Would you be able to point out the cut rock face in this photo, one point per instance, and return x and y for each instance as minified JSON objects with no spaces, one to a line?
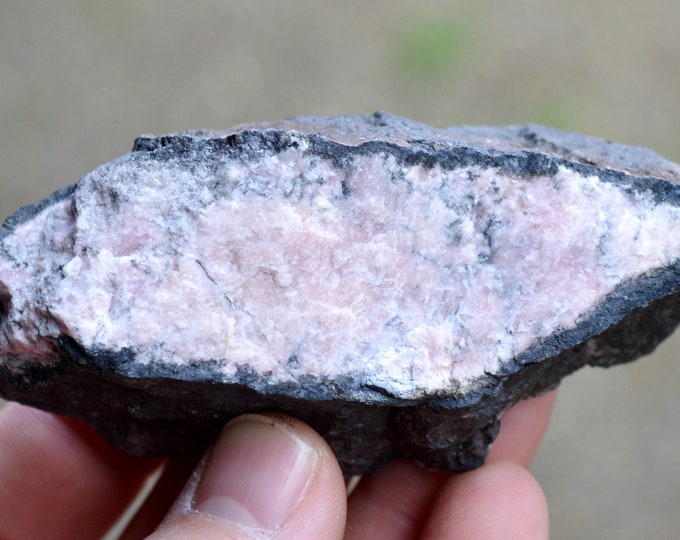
{"x":396,"y":286}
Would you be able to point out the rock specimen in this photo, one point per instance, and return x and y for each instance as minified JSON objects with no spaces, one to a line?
{"x":396,"y":286}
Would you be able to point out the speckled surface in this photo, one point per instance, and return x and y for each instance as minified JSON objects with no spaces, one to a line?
{"x":79,"y":80}
{"x":222,"y":265}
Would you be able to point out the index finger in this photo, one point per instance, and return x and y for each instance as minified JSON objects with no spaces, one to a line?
{"x":59,"y":478}
{"x":522,"y":429}
{"x":396,"y":502}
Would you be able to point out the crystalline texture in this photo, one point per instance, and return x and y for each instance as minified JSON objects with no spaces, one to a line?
{"x":413,"y":282}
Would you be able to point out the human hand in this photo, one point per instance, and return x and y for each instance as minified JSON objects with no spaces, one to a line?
{"x":267,"y":476}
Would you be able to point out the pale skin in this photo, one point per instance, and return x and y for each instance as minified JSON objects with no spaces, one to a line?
{"x":268,"y":476}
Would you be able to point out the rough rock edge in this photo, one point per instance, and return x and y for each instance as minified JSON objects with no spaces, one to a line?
{"x":160,"y":409}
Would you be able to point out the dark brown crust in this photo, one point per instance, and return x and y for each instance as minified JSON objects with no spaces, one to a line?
{"x":157,"y":409}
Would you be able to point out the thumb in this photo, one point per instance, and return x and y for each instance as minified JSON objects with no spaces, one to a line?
{"x":269,"y":476}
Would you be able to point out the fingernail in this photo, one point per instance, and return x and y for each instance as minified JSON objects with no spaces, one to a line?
{"x":257,"y":474}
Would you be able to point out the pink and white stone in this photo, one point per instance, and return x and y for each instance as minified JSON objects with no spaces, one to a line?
{"x":331,"y":256}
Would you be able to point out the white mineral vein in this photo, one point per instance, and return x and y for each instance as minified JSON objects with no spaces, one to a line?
{"x":418,"y":279}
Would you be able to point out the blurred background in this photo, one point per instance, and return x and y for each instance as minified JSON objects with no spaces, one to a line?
{"x":79,"y":79}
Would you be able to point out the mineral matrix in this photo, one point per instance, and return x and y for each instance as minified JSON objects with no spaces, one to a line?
{"x":396,"y":286}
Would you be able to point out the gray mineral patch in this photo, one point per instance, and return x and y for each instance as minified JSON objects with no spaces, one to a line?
{"x":414,"y":283}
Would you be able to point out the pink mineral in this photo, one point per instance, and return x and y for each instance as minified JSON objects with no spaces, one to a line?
{"x":403,"y":278}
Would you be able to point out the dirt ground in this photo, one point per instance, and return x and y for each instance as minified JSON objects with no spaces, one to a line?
{"x":79,"y":79}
